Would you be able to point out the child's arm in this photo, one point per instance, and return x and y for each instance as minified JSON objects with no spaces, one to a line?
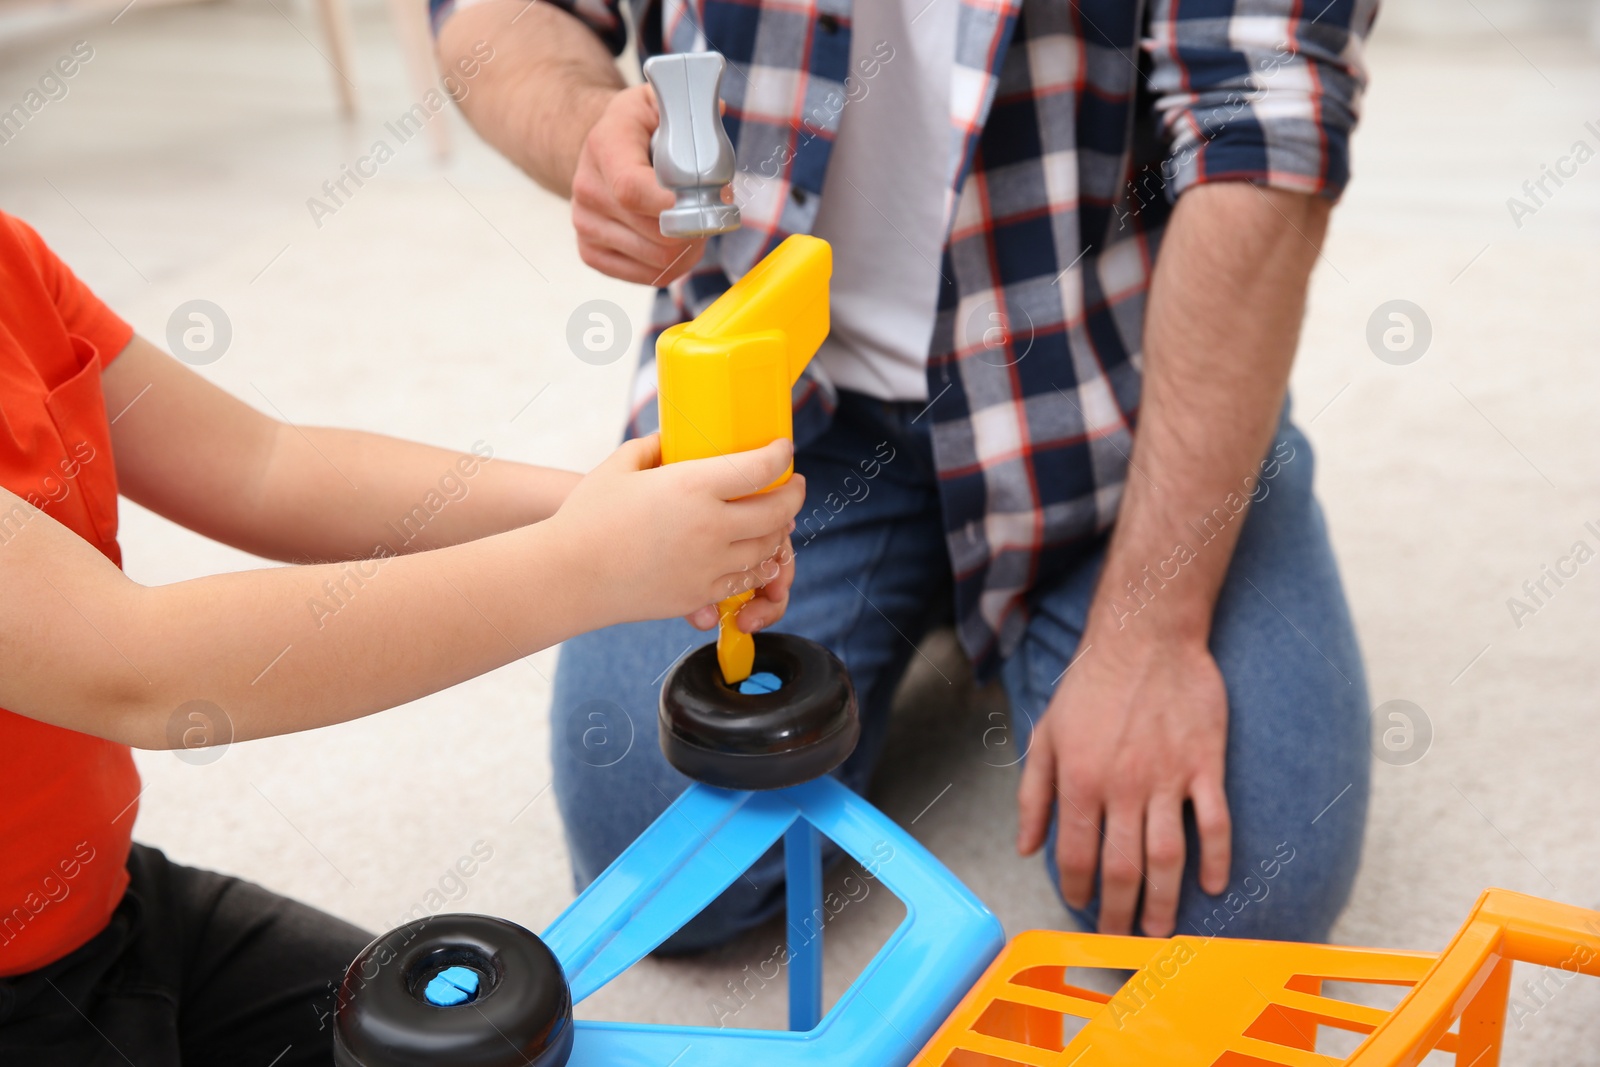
{"x":206,"y":460}
{"x":290,"y":648}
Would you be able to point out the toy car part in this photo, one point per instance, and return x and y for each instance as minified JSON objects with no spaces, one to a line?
{"x":724,"y":380}
{"x":1208,"y":1001}
{"x":798,"y":721}
{"x":463,"y":990}
{"x":521,"y":1010}
{"x":691,"y":151}
{"x":705,"y":841}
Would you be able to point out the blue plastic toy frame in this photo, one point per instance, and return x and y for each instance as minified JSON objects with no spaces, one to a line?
{"x":695,"y":850}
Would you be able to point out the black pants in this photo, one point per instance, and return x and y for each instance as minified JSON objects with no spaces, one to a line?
{"x":195,"y":969}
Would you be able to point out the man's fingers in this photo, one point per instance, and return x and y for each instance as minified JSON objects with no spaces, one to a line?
{"x":743,"y":473}
{"x":615,"y":265}
{"x":1035,"y":793}
{"x":646,"y":109}
{"x":1163,"y":850}
{"x":602,"y":226}
{"x":614,"y":247}
{"x":631,"y":118}
{"x":636,"y":189}
{"x":1216,"y":834}
{"x":626,"y":160}
{"x":617,"y":201}
{"x":1077,"y":848}
{"x":1121,"y":868}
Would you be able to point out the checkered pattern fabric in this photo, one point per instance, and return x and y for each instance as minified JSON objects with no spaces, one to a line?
{"x":1074,"y":128}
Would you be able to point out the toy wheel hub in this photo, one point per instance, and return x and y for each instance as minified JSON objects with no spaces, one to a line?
{"x":792,"y":720}
{"x":453,"y":986}
{"x":466,"y":990}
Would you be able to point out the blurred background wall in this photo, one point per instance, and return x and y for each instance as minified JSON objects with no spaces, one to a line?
{"x":1458,"y":18}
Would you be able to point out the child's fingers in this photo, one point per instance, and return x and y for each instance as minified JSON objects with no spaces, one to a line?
{"x":779,"y":572}
{"x":702,"y":618}
{"x":772,"y":576}
{"x":767,"y":513}
{"x":741,"y":474}
{"x":772,"y":599}
{"x":761,"y":613}
{"x":639,"y":454}
{"x":751,"y":555}
{"x":784,"y":560}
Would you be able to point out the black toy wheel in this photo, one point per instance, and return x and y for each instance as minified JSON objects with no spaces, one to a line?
{"x":752,"y":739}
{"x":454,"y":991}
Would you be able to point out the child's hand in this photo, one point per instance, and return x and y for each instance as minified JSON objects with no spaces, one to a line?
{"x":655,"y":541}
{"x":771,"y":581}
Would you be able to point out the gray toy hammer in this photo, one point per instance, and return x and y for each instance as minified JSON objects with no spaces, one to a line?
{"x":691,"y":151}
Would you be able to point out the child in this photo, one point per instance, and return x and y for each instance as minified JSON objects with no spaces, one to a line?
{"x":109,"y":953}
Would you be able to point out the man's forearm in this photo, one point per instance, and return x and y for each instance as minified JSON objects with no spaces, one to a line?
{"x":1221,"y":328}
{"x":548,"y":82}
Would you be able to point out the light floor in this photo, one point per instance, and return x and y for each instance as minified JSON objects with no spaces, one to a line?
{"x":433,"y":305}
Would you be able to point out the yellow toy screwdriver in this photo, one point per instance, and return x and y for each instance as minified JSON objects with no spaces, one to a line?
{"x":725,"y":378}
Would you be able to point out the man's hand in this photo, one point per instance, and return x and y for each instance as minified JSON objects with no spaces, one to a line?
{"x":552,"y":101}
{"x":617,"y":202}
{"x":1138,"y":726}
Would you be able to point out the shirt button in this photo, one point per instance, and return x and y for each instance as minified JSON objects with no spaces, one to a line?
{"x":797,"y":194}
{"x":828,"y":22}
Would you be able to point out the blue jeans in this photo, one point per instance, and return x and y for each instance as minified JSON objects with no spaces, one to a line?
{"x":873,"y":577}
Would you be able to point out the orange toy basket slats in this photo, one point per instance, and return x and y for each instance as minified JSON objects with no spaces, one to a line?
{"x":1472,"y":976}
{"x":1217,"y":1002}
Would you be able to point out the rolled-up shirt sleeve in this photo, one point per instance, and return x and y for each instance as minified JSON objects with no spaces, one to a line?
{"x":602,"y":16}
{"x":1264,"y":91}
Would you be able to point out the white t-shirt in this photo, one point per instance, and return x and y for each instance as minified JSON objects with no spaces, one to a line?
{"x":883,"y":200}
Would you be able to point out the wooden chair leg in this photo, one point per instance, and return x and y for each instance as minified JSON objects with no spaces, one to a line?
{"x":416,"y":44}
{"x":336,"y":28}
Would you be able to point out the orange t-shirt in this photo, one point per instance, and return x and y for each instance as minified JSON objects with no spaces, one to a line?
{"x":66,"y":820}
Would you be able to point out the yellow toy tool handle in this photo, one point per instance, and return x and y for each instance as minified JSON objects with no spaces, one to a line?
{"x":724,"y":381}
{"x":736,"y":650}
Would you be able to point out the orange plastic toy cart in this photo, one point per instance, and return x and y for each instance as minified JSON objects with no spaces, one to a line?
{"x":1215,"y":1002}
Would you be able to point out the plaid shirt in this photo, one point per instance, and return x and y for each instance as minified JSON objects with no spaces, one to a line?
{"x":1074,"y":127}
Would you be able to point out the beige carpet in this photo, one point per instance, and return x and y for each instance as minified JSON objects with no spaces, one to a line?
{"x":433,"y":305}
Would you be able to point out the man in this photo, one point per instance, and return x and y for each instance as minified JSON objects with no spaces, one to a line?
{"x":997,"y":177}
